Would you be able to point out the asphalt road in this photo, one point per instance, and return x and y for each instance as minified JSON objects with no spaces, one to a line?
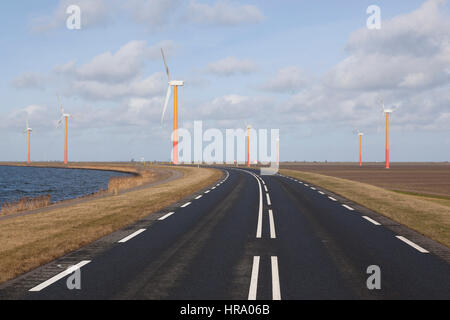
{"x":250,"y":237}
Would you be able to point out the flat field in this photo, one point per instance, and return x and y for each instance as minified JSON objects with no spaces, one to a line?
{"x":421,"y":179}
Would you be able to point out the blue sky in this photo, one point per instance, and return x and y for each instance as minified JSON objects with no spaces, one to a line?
{"x":310,"y":68}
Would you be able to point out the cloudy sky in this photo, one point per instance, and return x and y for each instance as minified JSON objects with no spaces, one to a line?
{"x":309,"y":68}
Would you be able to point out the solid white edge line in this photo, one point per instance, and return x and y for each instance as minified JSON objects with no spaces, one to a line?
{"x":372,"y":221}
{"x":276,"y":292}
{"x":254,"y":279}
{"x":321,"y":192}
{"x":166,"y":216}
{"x":260,"y":210}
{"x":186,"y":204}
{"x":131,"y":236}
{"x":198,"y":197}
{"x":412,"y":244}
{"x":207,"y":191}
{"x":59,"y":276}
{"x":331,"y":198}
{"x":348,"y":207}
{"x":273,"y":234}
{"x":268,"y":199}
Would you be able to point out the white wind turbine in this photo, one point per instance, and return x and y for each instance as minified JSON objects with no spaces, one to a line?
{"x":175,"y":84}
{"x":387,"y":112}
{"x":64,"y":117}
{"x":28,"y":131}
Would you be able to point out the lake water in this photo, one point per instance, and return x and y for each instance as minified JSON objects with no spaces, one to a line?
{"x":61,"y":184}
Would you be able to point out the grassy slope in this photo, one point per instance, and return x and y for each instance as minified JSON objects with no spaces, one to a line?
{"x":430,"y":217}
{"x":30,"y":241}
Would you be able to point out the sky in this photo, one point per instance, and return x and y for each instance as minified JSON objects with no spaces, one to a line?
{"x":311,"y":69}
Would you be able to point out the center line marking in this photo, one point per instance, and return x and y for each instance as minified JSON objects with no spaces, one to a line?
{"x":348,"y":207}
{"x":254,"y":279}
{"x":59,"y":276}
{"x":265,"y":188}
{"x":268,"y":199}
{"x":412,"y":244}
{"x":276,"y":292}
{"x":166,"y":216}
{"x":185,"y":205}
{"x":331,"y":198}
{"x":372,"y":221}
{"x":273,"y":234}
{"x":131,"y":236}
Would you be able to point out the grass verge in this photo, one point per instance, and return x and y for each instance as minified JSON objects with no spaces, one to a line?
{"x":430,"y":218}
{"x":32,"y":240}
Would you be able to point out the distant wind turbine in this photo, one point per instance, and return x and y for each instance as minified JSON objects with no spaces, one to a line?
{"x":175,"y":84}
{"x":360,"y":134}
{"x":387,"y":112}
{"x":64,"y":117}
{"x":28,"y":130}
{"x":249,"y":127}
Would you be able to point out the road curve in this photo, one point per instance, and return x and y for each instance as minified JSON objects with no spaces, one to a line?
{"x":247,"y":237}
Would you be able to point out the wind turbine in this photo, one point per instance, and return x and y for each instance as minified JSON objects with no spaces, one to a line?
{"x":28,"y":130}
{"x":249,"y":127}
{"x":387,"y":112}
{"x":64,"y":117}
{"x":360,"y":134}
{"x":175,"y":84}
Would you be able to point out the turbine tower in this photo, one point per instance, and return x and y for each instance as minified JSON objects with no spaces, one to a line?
{"x":28,"y":130}
{"x":175,"y":84}
{"x":248,"y":145}
{"x":64,"y":117}
{"x":360,"y":134}
{"x":387,"y":112}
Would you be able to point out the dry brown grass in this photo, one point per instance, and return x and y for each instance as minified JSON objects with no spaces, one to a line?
{"x":427,"y":217}
{"x":32,"y":240}
{"x":25,"y":204}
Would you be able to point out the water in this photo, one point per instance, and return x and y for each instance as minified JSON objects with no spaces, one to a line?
{"x":61,"y":184}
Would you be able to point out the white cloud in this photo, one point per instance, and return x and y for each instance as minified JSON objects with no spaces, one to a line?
{"x":98,"y":90}
{"x":124,"y":64}
{"x":410,"y":51}
{"x":288,"y":79}
{"x":232,"y":66}
{"x":28,"y":80}
{"x":223,"y":13}
{"x":153,"y":13}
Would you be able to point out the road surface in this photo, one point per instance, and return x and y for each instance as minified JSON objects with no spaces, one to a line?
{"x":251,"y":237}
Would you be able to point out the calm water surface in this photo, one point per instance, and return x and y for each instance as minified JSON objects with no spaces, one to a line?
{"x":61,"y":184}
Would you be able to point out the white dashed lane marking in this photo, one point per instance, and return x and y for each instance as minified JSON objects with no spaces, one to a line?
{"x":372,"y":221}
{"x":131,"y":236}
{"x":166,"y":216}
{"x":412,"y":244}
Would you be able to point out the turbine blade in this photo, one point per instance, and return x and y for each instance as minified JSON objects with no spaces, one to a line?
{"x":59,"y":123}
{"x":60,"y":105}
{"x":166,"y":103}
{"x":165,"y":64}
